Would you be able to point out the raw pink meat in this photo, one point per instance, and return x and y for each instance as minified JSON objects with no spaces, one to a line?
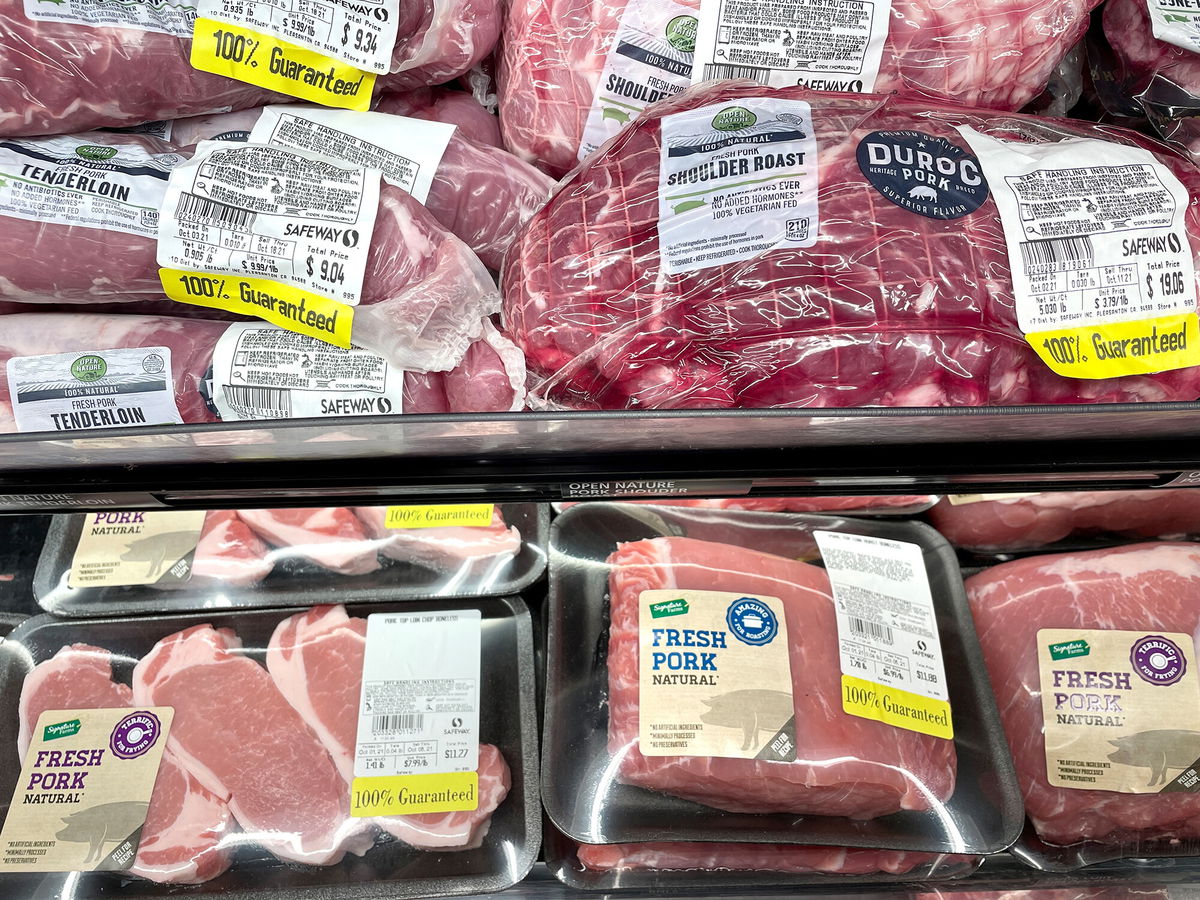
{"x":1078,"y":893}
{"x":241,"y":739}
{"x":1149,"y":587}
{"x":795,"y":504}
{"x":490,"y":377}
{"x":331,"y":537}
{"x":442,"y":104}
{"x":719,"y":856}
{"x":229,"y":553}
{"x":888,"y":308}
{"x":990,"y":53}
{"x":423,"y":295}
{"x":56,"y":77}
{"x":181,"y":841}
{"x":845,"y":766}
{"x":1023,"y":523}
{"x":444,"y":549}
{"x":316,"y":659}
{"x":480,"y":193}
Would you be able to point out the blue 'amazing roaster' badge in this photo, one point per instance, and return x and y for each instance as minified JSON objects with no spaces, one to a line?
{"x":752,"y":621}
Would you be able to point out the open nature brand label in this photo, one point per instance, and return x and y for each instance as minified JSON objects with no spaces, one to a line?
{"x":1120,"y":710}
{"x":1176,"y":22}
{"x":121,"y":388}
{"x":265,"y":372}
{"x":825,"y":45}
{"x":736,"y":180}
{"x":650,"y":59}
{"x":163,"y":16}
{"x":1101,"y":261}
{"x":418,"y":726}
{"x":84,"y":790}
{"x":714,"y":676}
{"x":286,"y":232}
{"x":69,"y":181}
{"x":125,"y":548}
{"x":468,"y":515}
{"x":891,"y":654}
{"x":407,"y":151}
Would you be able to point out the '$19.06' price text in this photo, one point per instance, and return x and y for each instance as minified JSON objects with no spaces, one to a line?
{"x":365,"y":40}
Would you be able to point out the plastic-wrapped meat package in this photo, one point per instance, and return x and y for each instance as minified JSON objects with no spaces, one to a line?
{"x":423,"y":292}
{"x":446,"y":549}
{"x":720,"y":856}
{"x":57,"y":77}
{"x":316,"y":660}
{"x":442,"y":104}
{"x":480,"y":193}
{"x":181,"y":841}
{"x":844,"y":766}
{"x":1078,"y":893}
{"x":997,"y":54}
{"x":488,"y":379}
{"x":228,"y":553}
{"x":1139,"y":590}
{"x":888,"y":306}
{"x":332,"y":537}
{"x":1026,"y":522}
{"x":897,"y":503}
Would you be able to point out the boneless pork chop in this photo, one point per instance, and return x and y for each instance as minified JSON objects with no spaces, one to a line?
{"x":332,"y":537}
{"x":845,"y":765}
{"x":242,"y":740}
{"x":719,"y":856}
{"x":1142,"y":587}
{"x":316,"y":659}
{"x":445,"y":549}
{"x":181,"y":841}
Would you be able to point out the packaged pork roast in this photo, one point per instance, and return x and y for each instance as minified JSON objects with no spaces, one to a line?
{"x":897,"y":505}
{"x":702,"y":868}
{"x":121,"y":563}
{"x":719,"y":675}
{"x":1006,"y":523}
{"x":1093,"y":662}
{"x":273,"y":750}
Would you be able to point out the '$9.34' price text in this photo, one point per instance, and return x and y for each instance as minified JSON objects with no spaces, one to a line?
{"x":365,"y":40}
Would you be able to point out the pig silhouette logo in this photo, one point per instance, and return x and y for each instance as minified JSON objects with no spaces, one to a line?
{"x":754,"y":712}
{"x":160,"y":551}
{"x":923,"y":192}
{"x":1159,"y":751}
{"x":108,"y":823}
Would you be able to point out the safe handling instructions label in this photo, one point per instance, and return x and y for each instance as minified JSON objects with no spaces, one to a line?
{"x":891,"y":655}
{"x":824,"y":45}
{"x":119,"y":388}
{"x":736,"y":180}
{"x":1101,"y":264}
{"x":84,"y":790}
{"x":714,"y":675}
{"x":1121,"y":710}
{"x":418,"y":724}
{"x":290,"y":230}
{"x":126,"y":548}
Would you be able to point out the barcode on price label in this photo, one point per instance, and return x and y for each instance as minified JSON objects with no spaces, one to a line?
{"x":395,"y":724}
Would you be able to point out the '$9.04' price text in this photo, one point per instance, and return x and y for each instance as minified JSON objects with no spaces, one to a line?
{"x":332,"y":272}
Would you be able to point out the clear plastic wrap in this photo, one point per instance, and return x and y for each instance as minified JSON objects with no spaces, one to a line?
{"x":1115,"y":892}
{"x":896,"y":505}
{"x":255,"y":776}
{"x":889,"y":307}
{"x":1027,"y":522}
{"x":423,"y":294}
{"x":442,"y":104}
{"x":480,"y":193}
{"x":489,"y":378}
{"x":854,"y":781}
{"x":1137,"y":589}
{"x":61,"y":77}
{"x":275,"y":557}
{"x":990,"y":53}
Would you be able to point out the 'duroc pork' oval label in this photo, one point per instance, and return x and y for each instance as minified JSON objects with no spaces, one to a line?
{"x":924,"y":174}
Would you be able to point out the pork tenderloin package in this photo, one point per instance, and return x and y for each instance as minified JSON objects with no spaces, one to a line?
{"x":709,"y":866}
{"x":159,"y":370}
{"x":742,"y":246}
{"x":281,"y":733}
{"x":397,"y":281}
{"x":75,"y":67}
{"x":1092,"y":660}
{"x":705,"y":685}
{"x":479,"y":192}
{"x":995,"y":523}
{"x":571,"y":75}
{"x":897,"y":505}
{"x":123,"y":563}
